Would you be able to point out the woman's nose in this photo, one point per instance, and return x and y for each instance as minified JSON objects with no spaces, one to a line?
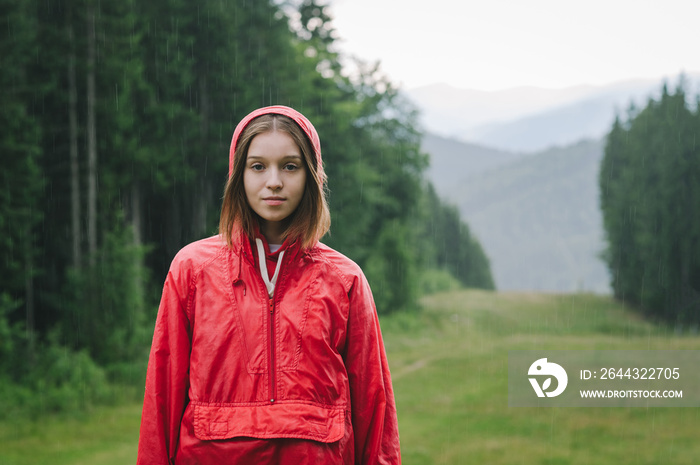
{"x":274,"y":180}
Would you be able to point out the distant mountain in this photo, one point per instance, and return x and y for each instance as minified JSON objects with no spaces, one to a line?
{"x":452,"y":112}
{"x":522,"y":167}
{"x":590,"y":117}
{"x":452,"y":161}
{"x":529,"y":119}
{"x":536,"y":216}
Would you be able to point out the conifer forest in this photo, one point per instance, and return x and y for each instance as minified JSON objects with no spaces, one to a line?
{"x":116,"y":120}
{"x":650,"y":200}
{"x":115,"y":124}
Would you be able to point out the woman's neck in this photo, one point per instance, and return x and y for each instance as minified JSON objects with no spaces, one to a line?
{"x":273,"y":231}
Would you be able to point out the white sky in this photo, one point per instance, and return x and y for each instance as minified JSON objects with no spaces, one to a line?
{"x":498,"y":44}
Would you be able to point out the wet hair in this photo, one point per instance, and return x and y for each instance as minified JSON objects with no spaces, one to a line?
{"x":311,"y":219}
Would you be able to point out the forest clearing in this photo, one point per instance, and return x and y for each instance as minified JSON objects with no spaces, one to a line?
{"x":449,"y":368}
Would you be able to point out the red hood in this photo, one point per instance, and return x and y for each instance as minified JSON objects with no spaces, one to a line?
{"x":300,"y":119}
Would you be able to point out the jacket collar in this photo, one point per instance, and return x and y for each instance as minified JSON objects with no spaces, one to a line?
{"x":243,"y":251}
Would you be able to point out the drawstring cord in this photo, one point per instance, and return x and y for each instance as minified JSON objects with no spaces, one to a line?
{"x":269,"y":283}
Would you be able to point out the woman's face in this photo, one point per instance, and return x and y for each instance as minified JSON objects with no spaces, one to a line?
{"x":274,"y":180}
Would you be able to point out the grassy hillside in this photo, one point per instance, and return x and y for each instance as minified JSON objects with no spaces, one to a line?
{"x":449,"y":365}
{"x":450,"y":373}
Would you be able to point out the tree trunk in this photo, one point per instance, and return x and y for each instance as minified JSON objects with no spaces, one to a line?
{"x":91,"y":137}
{"x":173,"y":233}
{"x":202,"y":189}
{"x":139,"y":265}
{"x":29,"y":292}
{"x":135,"y":208}
{"x":73,"y":133}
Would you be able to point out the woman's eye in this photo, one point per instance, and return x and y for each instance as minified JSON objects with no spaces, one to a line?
{"x":291,"y":167}
{"x":256,"y":167}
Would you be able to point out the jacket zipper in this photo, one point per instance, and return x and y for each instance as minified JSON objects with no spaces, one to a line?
{"x":272,"y":388}
{"x":272,"y":350}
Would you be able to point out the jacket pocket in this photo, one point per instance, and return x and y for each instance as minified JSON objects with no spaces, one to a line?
{"x":279,"y":420}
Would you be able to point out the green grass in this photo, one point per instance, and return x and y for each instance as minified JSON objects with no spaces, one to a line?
{"x":449,"y":365}
{"x":101,"y":436}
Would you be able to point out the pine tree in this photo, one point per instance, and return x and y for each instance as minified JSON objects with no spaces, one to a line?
{"x":21,"y":182}
{"x":648,"y":183}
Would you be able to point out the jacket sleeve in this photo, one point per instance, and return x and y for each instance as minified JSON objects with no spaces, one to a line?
{"x":167,"y":379}
{"x":373,"y":407}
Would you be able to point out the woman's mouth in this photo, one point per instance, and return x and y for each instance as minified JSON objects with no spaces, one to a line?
{"x":273,"y":201}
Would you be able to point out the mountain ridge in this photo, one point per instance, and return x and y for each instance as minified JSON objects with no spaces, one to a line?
{"x":535,"y":215}
{"x":529,"y":119}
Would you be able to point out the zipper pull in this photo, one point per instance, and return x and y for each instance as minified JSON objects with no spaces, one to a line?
{"x":272,"y":306}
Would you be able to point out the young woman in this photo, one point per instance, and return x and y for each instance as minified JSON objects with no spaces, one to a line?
{"x":267,"y":348}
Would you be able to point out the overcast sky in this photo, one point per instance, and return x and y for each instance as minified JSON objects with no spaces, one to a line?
{"x":499,"y":44}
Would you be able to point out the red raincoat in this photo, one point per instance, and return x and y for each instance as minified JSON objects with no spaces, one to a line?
{"x":237,"y":377}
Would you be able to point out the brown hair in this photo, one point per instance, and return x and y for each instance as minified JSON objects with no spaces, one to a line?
{"x":311,"y":219}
